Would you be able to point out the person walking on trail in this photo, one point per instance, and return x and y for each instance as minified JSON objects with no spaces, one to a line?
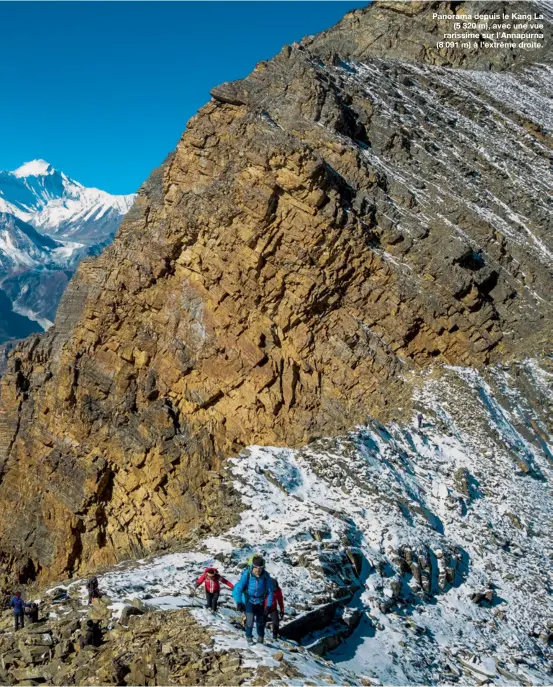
{"x":93,"y":635}
{"x":250,"y":593}
{"x":18,"y":606}
{"x":271,"y":612}
{"x":32,"y":612}
{"x":420,"y":418}
{"x":93,"y":589}
{"x":212,"y":581}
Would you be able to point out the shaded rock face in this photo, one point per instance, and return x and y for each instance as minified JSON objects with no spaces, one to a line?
{"x":324,"y":226}
{"x":382,"y":32}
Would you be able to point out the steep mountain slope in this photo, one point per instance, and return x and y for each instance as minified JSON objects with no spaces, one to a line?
{"x":326,"y":227}
{"x":12,"y":324}
{"x":55,"y":204}
{"x":406,"y":555}
{"x":37,"y":203}
{"x":21,"y":246}
{"x":409,"y":528}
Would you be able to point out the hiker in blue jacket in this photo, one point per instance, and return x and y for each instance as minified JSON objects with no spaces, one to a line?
{"x":18,"y":606}
{"x":250,"y":592}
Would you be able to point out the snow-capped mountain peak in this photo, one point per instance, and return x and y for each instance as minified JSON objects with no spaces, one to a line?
{"x":34,"y":168}
{"x":48,"y":223}
{"x":55,"y":204}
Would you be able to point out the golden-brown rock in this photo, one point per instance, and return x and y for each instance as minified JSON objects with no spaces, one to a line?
{"x":303,"y":247}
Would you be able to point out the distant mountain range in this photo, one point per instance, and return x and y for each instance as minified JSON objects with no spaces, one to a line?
{"x":48,"y":224}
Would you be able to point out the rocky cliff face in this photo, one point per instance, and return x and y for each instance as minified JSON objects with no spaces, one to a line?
{"x":357,"y":208}
{"x":406,"y":555}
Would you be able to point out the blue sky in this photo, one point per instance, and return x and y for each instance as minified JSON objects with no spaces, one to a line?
{"x":103,"y":90}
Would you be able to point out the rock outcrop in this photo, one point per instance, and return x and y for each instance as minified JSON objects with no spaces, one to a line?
{"x":147,"y":648}
{"x":353,"y":210}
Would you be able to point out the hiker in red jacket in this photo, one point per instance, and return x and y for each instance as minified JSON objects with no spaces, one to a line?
{"x":212,"y":581}
{"x":271,"y":611}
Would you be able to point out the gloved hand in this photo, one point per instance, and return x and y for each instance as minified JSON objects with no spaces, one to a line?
{"x":281,"y":615}
{"x":240,"y":607}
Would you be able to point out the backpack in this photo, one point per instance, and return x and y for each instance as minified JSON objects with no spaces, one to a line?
{"x":249,"y":569}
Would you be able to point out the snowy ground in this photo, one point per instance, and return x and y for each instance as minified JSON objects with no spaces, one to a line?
{"x":407,"y":524}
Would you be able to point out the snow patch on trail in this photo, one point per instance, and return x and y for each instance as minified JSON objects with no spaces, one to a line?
{"x":405,"y":525}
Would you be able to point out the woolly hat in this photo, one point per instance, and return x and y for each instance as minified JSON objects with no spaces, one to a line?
{"x":258,"y":562}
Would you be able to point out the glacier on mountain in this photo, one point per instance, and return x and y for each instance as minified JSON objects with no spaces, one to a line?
{"x":33,"y":168}
{"x":48,"y":224}
{"x":52,"y":202}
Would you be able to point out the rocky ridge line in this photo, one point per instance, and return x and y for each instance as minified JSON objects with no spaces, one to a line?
{"x":308,"y":244}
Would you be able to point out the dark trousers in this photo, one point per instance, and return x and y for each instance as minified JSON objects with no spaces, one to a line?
{"x":255,"y":613}
{"x":211,"y":599}
{"x":19,"y":619}
{"x":273,"y":615}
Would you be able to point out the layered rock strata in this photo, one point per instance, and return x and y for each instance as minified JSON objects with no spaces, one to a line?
{"x":357,"y":208}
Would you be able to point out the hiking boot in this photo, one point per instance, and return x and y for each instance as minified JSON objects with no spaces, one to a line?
{"x":260,"y":640}
{"x":250,"y":641}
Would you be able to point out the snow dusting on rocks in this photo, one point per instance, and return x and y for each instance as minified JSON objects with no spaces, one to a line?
{"x":405,"y":554}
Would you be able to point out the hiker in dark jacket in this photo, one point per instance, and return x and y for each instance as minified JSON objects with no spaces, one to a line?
{"x":212,"y":581}
{"x":271,"y":611}
{"x":18,"y":606}
{"x":32,"y":612}
{"x":93,"y":635}
{"x":93,"y":589}
{"x":254,"y":587}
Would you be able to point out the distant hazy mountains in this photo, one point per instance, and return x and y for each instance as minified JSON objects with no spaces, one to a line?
{"x":48,"y":224}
